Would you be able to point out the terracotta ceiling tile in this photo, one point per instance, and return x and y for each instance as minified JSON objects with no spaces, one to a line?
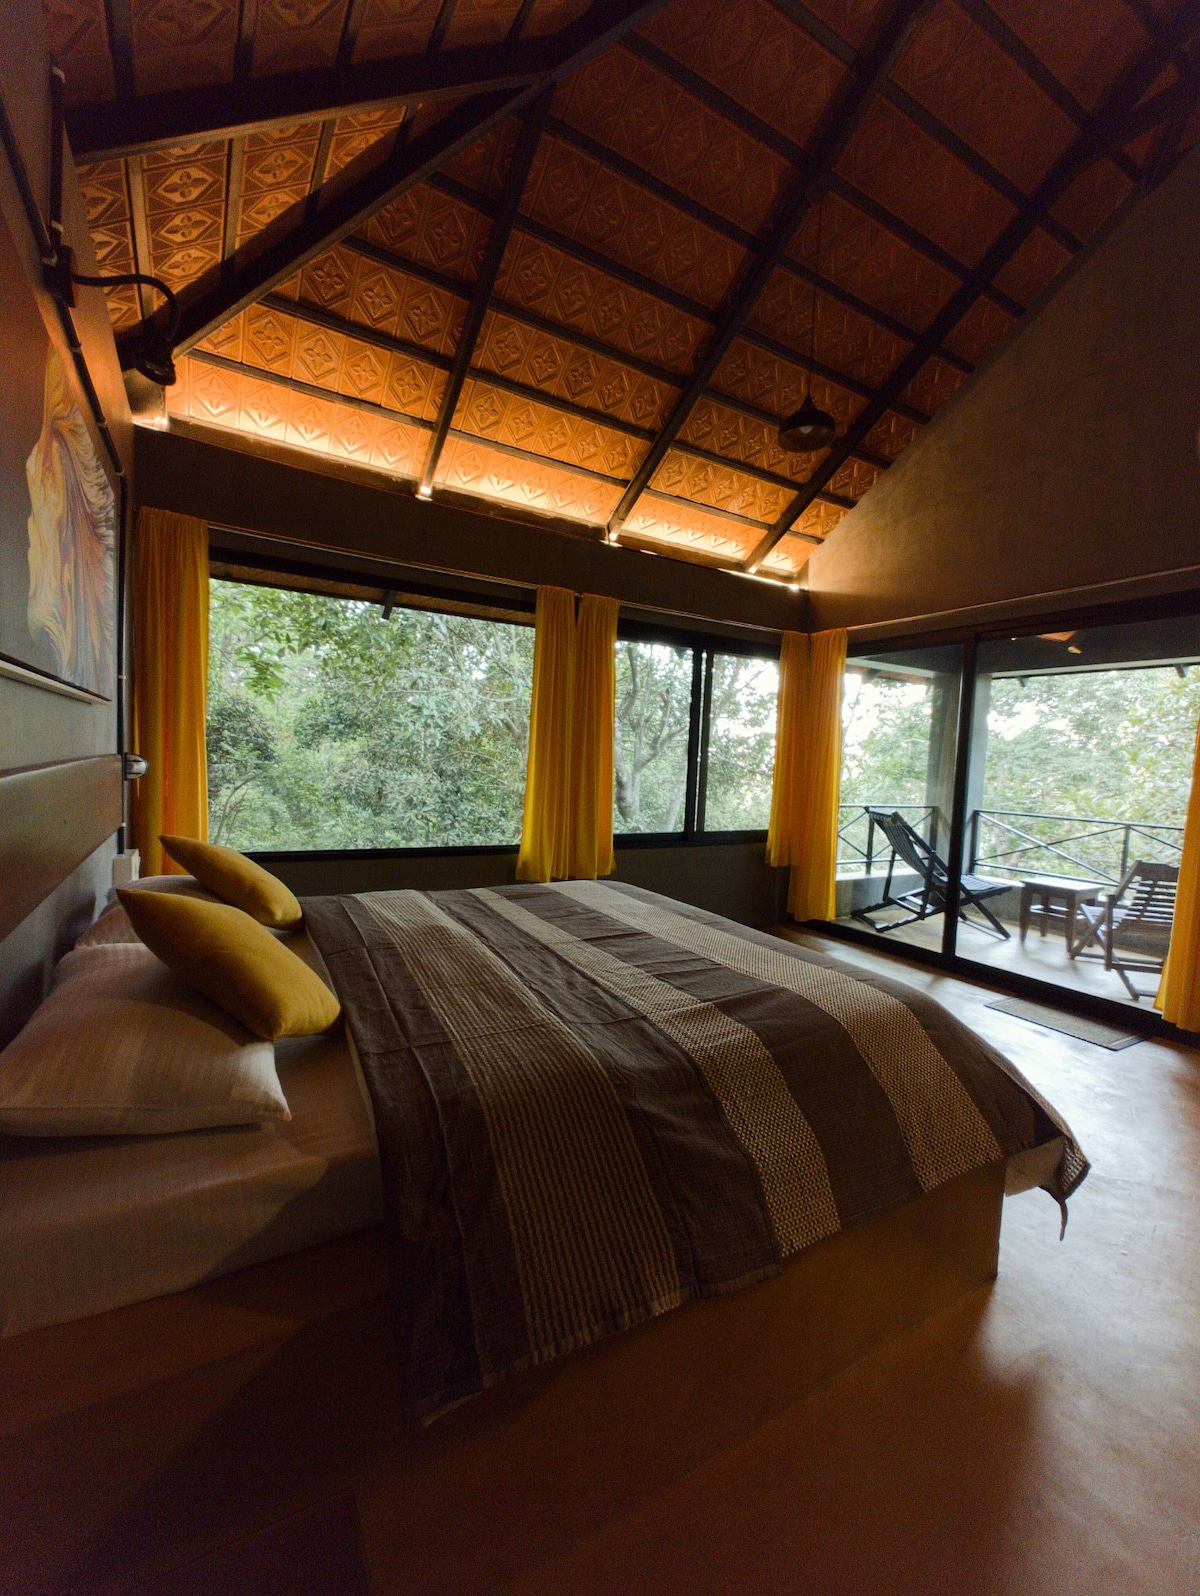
{"x":395,"y":27}
{"x":754,"y":55}
{"x":789,"y":556}
{"x":960,"y":74}
{"x":689,"y":529}
{"x":772,"y":383}
{"x":1038,"y":261}
{"x":1086,"y":44}
{"x":547,"y":489}
{"x":737,"y":436}
{"x":355,"y":135}
{"x":902,"y":168}
{"x":106,"y":203}
{"x":77,"y":32}
{"x":293,"y":35}
{"x":890,"y":435}
{"x":501,"y":417}
{"x":820,"y":519}
{"x":430,"y":227}
{"x":844,"y":339}
{"x":979,"y":330}
{"x":178,"y":44}
{"x":853,"y":479}
{"x":853,"y":19}
{"x":480,"y":22}
{"x":719,"y":487}
{"x":548,"y":16}
{"x":185,"y":209}
{"x":871,"y":263}
{"x":226,"y":340}
{"x":1092,"y":198}
{"x":636,"y":110}
{"x":569,"y":191}
{"x":483,"y":165}
{"x":933,"y":385}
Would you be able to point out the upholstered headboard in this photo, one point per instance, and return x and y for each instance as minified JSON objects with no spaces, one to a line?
{"x":51,"y":818}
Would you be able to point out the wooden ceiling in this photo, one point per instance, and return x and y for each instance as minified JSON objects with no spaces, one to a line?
{"x":564,"y":256}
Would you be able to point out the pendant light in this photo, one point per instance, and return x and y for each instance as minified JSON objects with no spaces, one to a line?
{"x":810,"y":428}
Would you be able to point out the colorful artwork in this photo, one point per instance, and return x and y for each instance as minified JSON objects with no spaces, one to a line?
{"x":58,"y":509}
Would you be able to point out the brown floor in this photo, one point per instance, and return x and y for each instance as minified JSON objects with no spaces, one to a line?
{"x":1043,"y":1437}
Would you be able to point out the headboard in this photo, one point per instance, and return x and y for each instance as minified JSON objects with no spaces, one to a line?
{"x":51,"y":818}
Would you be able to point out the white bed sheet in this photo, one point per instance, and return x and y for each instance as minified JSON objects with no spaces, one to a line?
{"x":92,"y":1223}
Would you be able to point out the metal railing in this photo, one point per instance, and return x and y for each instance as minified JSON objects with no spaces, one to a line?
{"x":1021,"y":843}
{"x":857,"y":849}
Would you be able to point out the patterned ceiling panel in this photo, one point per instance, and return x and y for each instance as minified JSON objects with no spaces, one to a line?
{"x":290,"y":347}
{"x":844,"y":339}
{"x":1087,"y":44}
{"x":963,"y":76}
{"x":483,"y":166}
{"x":500,"y":417}
{"x":820,"y":519}
{"x":772,"y":383}
{"x":106,"y":201}
{"x":902,"y":168}
{"x":853,"y":19}
{"x":871,"y":263}
{"x":690,"y":531}
{"x":544,"y":280}
{"x":470,"y":467}
{"x":381,"y":298}
{"x":264,"y":409}
{"x":719,"y":487}
{"x":395,"y":27}
{"x":853,"y":479}
{"x":558,"y":367}
{"x":789,"y":556}
{"x":354,"y":135}
{"x":633,"y":108}
{"x":185,"y":210}
{"x":933,"y":385}
{"x":548,"y":16}
{"x":78,"y":35}
{"x":890,"y":435}
{"x":1034,"y":266}
{"x":481,"y":22}
{"x":432,"y":228}
{"x":979,"y":331}
{"x":737,"y":436}
{"x":180,"y":43}
{"x":755,"y":56}
{"x":1092,"y":198}
{"x":277,"y":171}
{"x":575,"y":194}
{"x":291,"y":35}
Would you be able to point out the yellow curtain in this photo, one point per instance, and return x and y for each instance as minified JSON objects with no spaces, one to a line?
{"x":808,"y":759}
{"x":592,"y":734}
{"x":1179,"y":993}
{"x":546,"y":827}
{"x":169,"y":610}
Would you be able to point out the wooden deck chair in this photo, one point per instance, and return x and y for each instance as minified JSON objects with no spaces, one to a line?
{"x":1130,"y":929}
{"x":929,"y":898}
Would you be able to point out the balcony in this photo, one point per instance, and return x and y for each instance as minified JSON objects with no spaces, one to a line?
{"x":1002,"y":845}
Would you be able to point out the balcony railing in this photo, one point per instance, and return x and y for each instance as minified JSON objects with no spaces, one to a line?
{"x":861,"y":848}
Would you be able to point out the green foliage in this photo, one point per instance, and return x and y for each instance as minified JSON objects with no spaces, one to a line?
{"x":330,"y":727}
{"x":741,"y":746}
{"x":654,"y":695}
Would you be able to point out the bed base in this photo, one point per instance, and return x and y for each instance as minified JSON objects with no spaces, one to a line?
{"x":138,"y":1440}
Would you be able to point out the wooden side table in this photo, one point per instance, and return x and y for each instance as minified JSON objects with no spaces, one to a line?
{"x":1055,"y":901}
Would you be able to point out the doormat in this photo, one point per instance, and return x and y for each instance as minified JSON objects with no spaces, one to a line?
{"x":1076,"y":1025}
{"x":315,"y":1552}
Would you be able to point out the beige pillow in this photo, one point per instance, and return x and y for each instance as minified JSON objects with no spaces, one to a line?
{"x":121,"y":1046}
{"x":238,"y":881}
{"x":234,"y":961}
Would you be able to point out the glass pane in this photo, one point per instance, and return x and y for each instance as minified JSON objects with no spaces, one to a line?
{"x":1080,"y":772}
{"x":330,"y":727}
{"x":654,"y":699}
{"x":899,"y":738}
{"x":741,"y":743}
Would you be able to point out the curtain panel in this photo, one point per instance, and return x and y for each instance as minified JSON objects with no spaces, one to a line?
{"x":567,"y":824}
{"x":169,"y":612}
{"x":808,"y":758}
{"x":1179,"y":992}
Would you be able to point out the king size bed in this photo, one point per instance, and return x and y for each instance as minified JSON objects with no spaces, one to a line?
{"x":641,"y":1176}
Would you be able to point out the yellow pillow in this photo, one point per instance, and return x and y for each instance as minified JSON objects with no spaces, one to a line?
{"x":234,"y":962}
{"x":237,"y":880}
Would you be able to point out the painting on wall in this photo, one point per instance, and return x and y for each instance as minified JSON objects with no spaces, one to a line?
{"x":58,"y":507}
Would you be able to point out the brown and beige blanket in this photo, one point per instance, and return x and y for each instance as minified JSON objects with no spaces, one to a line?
{"x":594,"y":1104}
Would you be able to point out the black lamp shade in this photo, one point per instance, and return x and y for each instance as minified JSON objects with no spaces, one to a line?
{"x":808,"y":429}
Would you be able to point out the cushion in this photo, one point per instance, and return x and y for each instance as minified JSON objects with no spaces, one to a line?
{"x":112,"y":924}
{"x":121,"y":1046}
{"x":237,"y":880}
{"x":233,"y":960}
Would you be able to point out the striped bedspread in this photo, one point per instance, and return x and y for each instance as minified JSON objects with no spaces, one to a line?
{"x":594,"y":1104}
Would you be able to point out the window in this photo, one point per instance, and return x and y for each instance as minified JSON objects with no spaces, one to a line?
{"x":740,"y":754}
{"x":650,"y":749}
{"x":333,"y":726}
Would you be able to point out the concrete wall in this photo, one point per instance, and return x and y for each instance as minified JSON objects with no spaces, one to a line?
{"x":39,"y":725}
{"x":1069,"y":461}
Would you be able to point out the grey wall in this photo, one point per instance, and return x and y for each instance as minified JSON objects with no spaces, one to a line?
{"x":1070,"y":460}
{"x":38,"y":726}
{"x":732,"y":879}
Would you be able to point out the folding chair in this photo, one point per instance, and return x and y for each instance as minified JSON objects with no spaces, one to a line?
{"x":930,"y":897}
{"x":1131,"y":927}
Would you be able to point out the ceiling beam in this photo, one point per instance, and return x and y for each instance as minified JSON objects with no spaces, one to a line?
{"x":501,"y":231}
{"x":1076,"y":159}
{"x":355,"y":194}
{"x":841,"y":122}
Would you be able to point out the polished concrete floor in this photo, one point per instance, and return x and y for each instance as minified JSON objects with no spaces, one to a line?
{"x":1040,"y":1439}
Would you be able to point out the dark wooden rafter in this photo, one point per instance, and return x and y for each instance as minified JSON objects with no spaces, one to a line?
{"x":119,"y":23}
{"x":1112,"y":114}
{"x":501,"y":231}
{"x":243,"y":50}
{"x":363,"y":188}
{"x":841,"y":122}
{"x":441,"y":24}
{"x":351,"y":24}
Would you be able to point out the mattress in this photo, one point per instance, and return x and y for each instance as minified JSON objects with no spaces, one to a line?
{"x":92,"y":1223}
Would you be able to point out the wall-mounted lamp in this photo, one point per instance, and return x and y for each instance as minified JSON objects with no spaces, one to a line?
{"x":151,"y":351}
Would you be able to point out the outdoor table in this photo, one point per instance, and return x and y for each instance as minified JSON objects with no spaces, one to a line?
{"x":1055,"y":900}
